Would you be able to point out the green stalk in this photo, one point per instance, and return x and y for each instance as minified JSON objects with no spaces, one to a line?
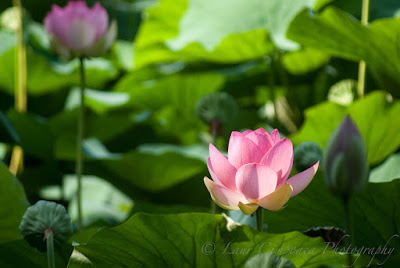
{"x":271,"y":83}
{"x":346,"y":205}
{"x":259,"y":215}
{"x":49,"y":236}
{"x":213,"y":207}
{"x":79,"y":154}
{"x":362,"y":65}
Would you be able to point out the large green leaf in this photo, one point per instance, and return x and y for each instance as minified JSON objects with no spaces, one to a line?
{"x":7,"y":132}
{"x":387,"y":171}
{"x":375,"y":214}
{"x":375,"y":116}
{"x":58,"y":75}
{"x":152,"y":170}
{"x":173,"y":98}
{"x":304,"y":61}
{"x":101,"y":200}
{"x":181,"y":90}
{"x":34,"y":132}
{"x":198,"y":240}
{"x":99,"y":101}
{"x":376,"y":43}
{"x":268,"y":260}
{"x":114,"y":128}
{"x":7,"y":60}
{"x":229,"y":31}
{"x":13,"y":204}
{"x":18,"y":253}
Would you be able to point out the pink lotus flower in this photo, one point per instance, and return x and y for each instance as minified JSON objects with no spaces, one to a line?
{"x":77,"y":30}
{"x":255,"y":173}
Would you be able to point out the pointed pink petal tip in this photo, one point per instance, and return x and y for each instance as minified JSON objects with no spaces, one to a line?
{"x":301,"y":180}
{"x":222,"y":169}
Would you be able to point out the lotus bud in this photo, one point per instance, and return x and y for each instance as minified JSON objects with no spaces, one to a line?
{"x":42,"y":219}
{"x":306,"y":154}
{"x":79,"y":31}
{"x":346,"y":169}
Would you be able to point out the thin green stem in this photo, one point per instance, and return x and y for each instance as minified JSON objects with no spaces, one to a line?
{"x":259,"y":215}
{"x":362,"y":65}
{"x":271,"y":83}
{"x":49,"y":235}
{"x":347,"y":215}
{"x":79,"y":154}
{"x":213,"y":207}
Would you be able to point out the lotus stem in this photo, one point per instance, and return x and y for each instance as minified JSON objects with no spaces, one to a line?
{"x":259,"y":215}
{"x":49,"y":236}
{"x":346,"y":205}
{"x":79,"y":153}
{"x":362,"y":65}
{"x":16,"y":163}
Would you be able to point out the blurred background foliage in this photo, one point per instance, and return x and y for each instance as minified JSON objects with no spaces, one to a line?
{"x":289,"y":65}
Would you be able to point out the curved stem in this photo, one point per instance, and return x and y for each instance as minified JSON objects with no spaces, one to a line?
{"x":49,"y":236}
{"x":79,"y":155}
{"x":259,"y":215}
{"x":362,"y":65}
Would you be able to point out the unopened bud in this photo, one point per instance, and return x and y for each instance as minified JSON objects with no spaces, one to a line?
{"x":346,"y":168}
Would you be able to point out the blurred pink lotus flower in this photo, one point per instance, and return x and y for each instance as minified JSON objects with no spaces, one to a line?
{"x":77,"y":30}
{"x":255,"y":172}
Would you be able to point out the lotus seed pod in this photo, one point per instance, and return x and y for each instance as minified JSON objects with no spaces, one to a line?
{"x":306,"y":154}
{"x":42,"y":216}
{"x":346,"y":168}
{"x":216,"y":106}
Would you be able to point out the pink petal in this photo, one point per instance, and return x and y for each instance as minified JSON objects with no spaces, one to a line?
{"x":261,"y":131}
{"x":275,"y":136}
{"x":223,"y":197}
{"x":242,"y":151}
{"x":264,"y":142}
{"x":212,"y":173}
{"x":80,"y":34}
{"x":300,"y":181}
{"x":56,"y":24}
{"x":221,"y":167}
{"x":256,"y":181}
{"x":98,"y":18}
{"x":76,"y":9}
{"x":247,"y":132}
{"x":277,"y":199}
{"x":280,"y":159}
